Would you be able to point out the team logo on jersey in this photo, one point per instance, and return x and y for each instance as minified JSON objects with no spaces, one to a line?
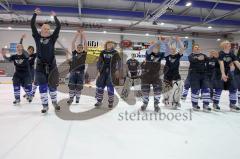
{"x":212,"y":63}
{"x":154,"y":58}
{"x":172,"y":60}
{"x":201,"y":56}
{"x":19,"y":61}
{"x":44,"y":41}
{"x":227,"y":59}
{"x":108,"y":56}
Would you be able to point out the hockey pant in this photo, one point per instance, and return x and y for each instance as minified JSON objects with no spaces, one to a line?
{"x":23,"y":80}
{"x":76,"y":81}
{"x":47,"y":77}
{"x":104,"y":80}
{"x":157,"y":88}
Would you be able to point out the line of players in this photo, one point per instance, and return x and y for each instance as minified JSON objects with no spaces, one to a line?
{"x":208,"y":75}
{"x":46,"y":74}
{"x":109,"y":64}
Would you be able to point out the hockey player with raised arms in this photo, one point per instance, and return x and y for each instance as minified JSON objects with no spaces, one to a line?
{"x":172,"y":77}
{"x":22,"y":75}
{"x":227,"y":59}
{"x":77,"y":67}
{"x":47,"y":75}
{"x":32,"y":58}
{"x":187,"y":85}
{"x":151,"y":75}
{"x":108,"y":66}
{"x":198,"y":79}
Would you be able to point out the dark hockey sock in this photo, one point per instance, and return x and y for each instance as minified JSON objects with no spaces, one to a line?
{"x":233,"y":96}
{"x":205,"y":95}
{"x":34,"y":88}
{"x":71,"y":93}
{"x":110,"y":90}
{"x":53,"y":94}
{"x":145,"y":93}
{"x":16,"y":91}
{"x":195,"y":96}
{"x":43,"y":88}
{"x":185,"y":91}
{"x":78,"y":94}
{"x":216,"y":95}
{"x":157,"y":94}
{"x":28,"y":89}
{"x":99,"y":94}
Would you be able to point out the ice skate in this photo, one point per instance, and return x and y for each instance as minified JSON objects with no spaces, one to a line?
{"x":176,"y":105}
{"x":77,"y":100}
{"x":25,"y":96}
{"x":17,"y":101}
{"x":30,"y":98}
{"x":110,"y":105}
{"x":56,"y":106}
{"x":69,"y":101}
{"x":195,"y":107}
{"x":216,"y":107}
{"x":234,"y":108}
{"x":144,"y":107}
{"x":45,"y":109}
{"x":98,"y":104}
{"x":156,"y":108}
{"x":165,"y":102}
{"x":183,"y":98}
{"x":206,"y":108}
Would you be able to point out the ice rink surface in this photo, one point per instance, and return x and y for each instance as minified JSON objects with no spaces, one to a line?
{"x":27,"y":134}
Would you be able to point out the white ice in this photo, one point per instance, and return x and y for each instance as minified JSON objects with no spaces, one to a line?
{"x":27,"y":134}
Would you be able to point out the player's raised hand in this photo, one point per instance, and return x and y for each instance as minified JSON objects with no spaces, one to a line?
{"x":53,"y":13}
{"x":24,"y":36}
{"x":37,"y":11}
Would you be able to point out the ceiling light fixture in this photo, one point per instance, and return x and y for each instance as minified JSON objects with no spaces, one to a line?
{"x":188,"y":4}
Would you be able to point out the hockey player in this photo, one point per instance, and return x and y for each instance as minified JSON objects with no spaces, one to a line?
{"x":151,"y":76}
{"x":187,"y":85}
{"x":237,"y":76}
{"x":132,"y":76}
{"x":198,"y":79}
{"x":213,"y":71}
{"x":47,"y":75}
{"x":227,"y":59}
{"x":172,"y":77}
{"x":77,"y":67}
{"x":32,"y":58}
{"x":108,"y":66}
{"x":22,"y":76}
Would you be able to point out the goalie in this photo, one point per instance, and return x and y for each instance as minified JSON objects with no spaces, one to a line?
{"x":172,"y":88}
{"x":132,"y":78}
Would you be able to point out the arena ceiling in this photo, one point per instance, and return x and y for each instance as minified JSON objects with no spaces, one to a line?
{"x":210,"y":17}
